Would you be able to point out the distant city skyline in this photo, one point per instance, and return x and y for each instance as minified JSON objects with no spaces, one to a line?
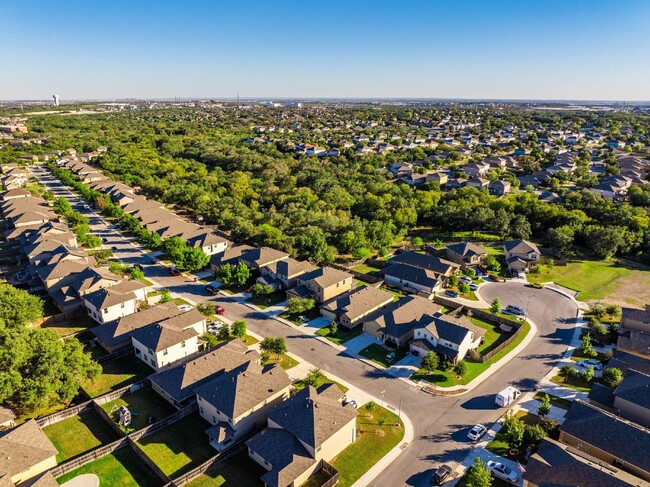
{"x":548,"y":50}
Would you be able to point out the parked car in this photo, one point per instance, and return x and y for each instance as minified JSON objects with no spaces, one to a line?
{"x":465,"y":279}
{"x":537,"y":285}
{"x":451,"y":293}
{"x":591,"y":363}
{"x":502,"y":471}
{"x":211,"y":289}
{"x":473,"y":287}
{"x":516,"y":310}
{"x":476,"y":432}
{"x":440,"y":475}
{"x":173,"y":271}
{"x":219,"y":310}
{"x":186,"y":307}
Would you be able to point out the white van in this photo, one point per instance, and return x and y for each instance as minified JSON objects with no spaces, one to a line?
{"x":507,"y":396}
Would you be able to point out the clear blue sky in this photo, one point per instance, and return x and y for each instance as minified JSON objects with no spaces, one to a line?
{"x":589,"y":49}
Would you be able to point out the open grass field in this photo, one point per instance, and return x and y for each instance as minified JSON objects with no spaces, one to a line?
{"x":237,"y":471}
{"x":378,"y":431}
{"x":610,"y":282}
{"x":122,"y":468}
{"x":474,"y":369}
{"x":79,"y":434}
{"x":366,"y":269}
{"x":143,"y":404}
{"x":118,"y":373}
{"x":180,"y":446}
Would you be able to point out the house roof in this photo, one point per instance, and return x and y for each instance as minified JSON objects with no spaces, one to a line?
{"x":325,"y":277}
{"x":23,"y":447}
{"x":260,"y":257}
{"x":520,"y":246}
{"x":408,"y":313}
{"x":289,"y":459}
{"x":290,"y":267}
{"x":635,"y":388}
{"x":466,"y":249}
{"x":114,"y":295}
{"x":451,"y":328}
{"x":425,"y":261}
{"x":416,"y":275}
{"x":157,"y":337}
{"x":358,"y":302}
{"x":6,"y":414}
{"x":239,"y":390}
{"x":230,"y":256}
{"x":181,"y":381}
{"x":609,"y":433}
{"x":557,"y":465}
{"x":313,"y":415}
{"x":601,"y":394}
{"x":634,"y":314}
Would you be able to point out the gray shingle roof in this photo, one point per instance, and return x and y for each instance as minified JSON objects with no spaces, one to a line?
{"x":415,"y":275}
{"x":424,"y":261}
{"x":635,"y":388}
{"x":398,"y":318}
{"x":23,"y":447}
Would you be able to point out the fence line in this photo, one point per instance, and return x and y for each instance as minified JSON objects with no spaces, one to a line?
{"x":115,"y":355}
{"x":484,"y":358}
{"x":150,"y":463}
{"x":91,"y":456}
{"x":158,"y":425}
{"x":63,"y":414}
{"x":106,"y":417}
{"x":330,"y":470}
{"x":109,"y":396}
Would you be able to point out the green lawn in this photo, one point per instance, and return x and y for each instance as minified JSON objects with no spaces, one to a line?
{"x":237,"y":471}
{"x":180,"y":301}
{"x":377,"y":434}
{"x":555,"y":401}
{"x":79,"y":434}
{"x":365,"y":269}
{"x":143,"y":404}
{"x":474,"y":369}
{"x":180,"y":446}
{"x":342,"y":334}
{"x":298,"y":386}
{"x":599,"y":280}
{"x":118,"y":373}
{"x":499,"y":445}
{"x":121,"y":468}
{"x":284,"y":360}
{"x":65,"y":328}
{"x":493,"y":335}
{"x":268,"y":300}
{"x":397,"y":295}
{"x":312,"y":314}
{"x":379,"y":354}
{"x":579,"y":355}
{"x":574,"y":382}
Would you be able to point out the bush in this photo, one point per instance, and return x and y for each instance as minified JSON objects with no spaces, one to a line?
{"x":587,"y":374}
{"x":239,"y":329}
{"x":460,"y":368}
{"x":549,"y":425}
{"x":333,"y":328}
{"x":533,"y":435}
{"x":314,"y":377}
{"x":276,"y":346}
{"x":477,"y":475}
{"x":545,"y":407}
{"x":417,"y":241}
{"x":597,"y":327}
{"x":612,"y":376}
{"x":258,"y":290}
{"x":165,"y":296}
{"x":360,"y":253}
{"x":207,"y":309}
{"x":430,"y":361}
{"x":464,"y":288}
{"x":299,"y":305}
{"x":514,"y":430}
{"x":495,"y":306}
{"x":567,"y":371}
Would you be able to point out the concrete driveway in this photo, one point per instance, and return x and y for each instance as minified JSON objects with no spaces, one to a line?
{"x":354,"y":346}
{"x":317,"y":324}
{"x":406,"y":367}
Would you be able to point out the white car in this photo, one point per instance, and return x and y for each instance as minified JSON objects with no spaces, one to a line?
{"x":473,"y":287}
{"x":502,"y":471}
{"x":465,"y":279}
{"x":186,"y":307}
{"x":591,"y":363}
{"x":476,"y":432}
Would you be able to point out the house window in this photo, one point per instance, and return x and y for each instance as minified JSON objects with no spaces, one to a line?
{"x":182,"y":344}
{"x":105,"y":310}
{"x":137,"y":351}
{"x":150,"y":352}
{"x":165,"y":352}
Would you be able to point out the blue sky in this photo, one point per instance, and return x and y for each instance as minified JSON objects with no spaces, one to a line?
{"x":568,"y":49}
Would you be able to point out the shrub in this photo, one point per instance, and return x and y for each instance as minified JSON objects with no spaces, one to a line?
{"x":612,"y":376}
{"x":460,"y":368}
{"x":276,"y":346}
{"x":430,"y":361}
{"x":258,"y":290}
{"x":464,"y":288}
{"x":545,"y":407}
{"x":533,"y":435}
{"x":333,"y":328}
{"x":239,"y":329}
{"x":587,"y":374}
{"x":206,"y":309}
{"x":495,"y":306}
{"x":597,"y":327}
{"x":299,"y":305}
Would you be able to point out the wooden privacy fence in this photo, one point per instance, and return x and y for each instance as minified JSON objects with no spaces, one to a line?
{"x":484,"y":358}
{"x":63,"y":414}
{"x":91,"y":456}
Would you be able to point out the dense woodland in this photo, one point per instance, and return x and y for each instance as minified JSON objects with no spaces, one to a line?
{"x":318,"y":208}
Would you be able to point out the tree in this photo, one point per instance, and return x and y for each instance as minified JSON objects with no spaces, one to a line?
{"x":545,"y":407}
{"x":239,"y":329}
{"x":587,"y":374}
{"x":453,"y":281}
{"x":477,"y":475}
{"x":597,"y":327}
{"x":258,"y":290}
{"x":137,"y":274}
{"x":417,"y":241}
{"x":612,"y":310}
{"x":560,"y":238}
{"x":533,"y":435}
{"x":165,"y":296}
{"x":514,"y":430}
{"x":612,"y":376}
{"x":360,"y":253}
{"x":495,"y":306}
{"x":315,"y":377}
{"x":334,"y":328}
{"x":299,"y":305}
{"x":464,"y":288}
{"x":224,"y":332}
{"x":18,"y":308}
{"x":207,"y":309}
{"x":567,"y":371}
{"x":585,"y":346}
{"x":92,"y":241}
{"x":460,"y":368}
{"x":492,"y":263}
{"x":430,"y":361}
{"x":62,"y":206}
{"x":275,"y":346}
{"x":242,"y":274}
{"x":194,"y":259}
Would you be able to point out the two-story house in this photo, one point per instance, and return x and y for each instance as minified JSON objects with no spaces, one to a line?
{"x":114,"y":302}
{"x":521,"y":254}
{"x":350,"y":309}
{"x":448,"y":336}
{"x":322,"y":284}
{"x":466,"y":254}
{"x":284,"y":274}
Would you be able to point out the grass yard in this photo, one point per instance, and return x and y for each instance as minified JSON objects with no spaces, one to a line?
{"x":300,"y":385}
{"x":573,"y":382}
{"x":70,"y":327}
{"x":555,"y":401}
{"x":284,"y":360}
{"x":122,"y":468}
{"x":379,"y":354}
{"x":342,"y":335}
{"x":309,"y":315}
{"x":118,"y":373}
{"x":366,"y":269}
{"x":180,"y":301}
{"x":272,"y":299}
{"x":249,"y":340}
{"x":79,"y":434}
{"x":142,"y":404}
{"x":448,"y":378}
{"x":493,"y":335}
{"x":377,"y":434}
{"x":180,"y":446}
{"x":599,"y":280}
{"x":237,"y":470}
{"x":579,"y":355}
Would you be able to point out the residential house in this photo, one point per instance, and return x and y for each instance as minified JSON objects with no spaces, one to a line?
{"x":284,"y":274}
{"x":236,"y":402}
{"x":7,"y":418}
{"x":499,"y":188}
{"x":476,"y":169}
{"x":257,"y":258}
{"x":350,"y":309}
{"x":466,"y":254}
{"x":438,"y":177}
{"x":440,"y":266}
{"x":630,"y":399}
{"x":521,"y":254}
{"x":448,"y":336}
{"x":309,"y":428}
{"x":159,"y":345}
{"x":455,"y":183}
{"x":415,"y":279}
{"x":229,"y":256}
{"x":476,"y":182}
{"x":634,"y":332}
{"x":322,"y":284}
{"x":25,"y":452}
{"x":114,"y":302}
{"x":209,"y":242}
{"x":178,"y":384}
{"x":396,"y":323}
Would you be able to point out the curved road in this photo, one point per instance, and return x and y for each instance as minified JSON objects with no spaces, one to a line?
{"x":440,"y":422}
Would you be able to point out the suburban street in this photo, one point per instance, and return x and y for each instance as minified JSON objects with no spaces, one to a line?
{"x":440,"y":422}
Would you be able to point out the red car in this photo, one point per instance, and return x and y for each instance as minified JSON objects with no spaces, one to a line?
{"x":494,"y":278}
{"x":219,"y":310}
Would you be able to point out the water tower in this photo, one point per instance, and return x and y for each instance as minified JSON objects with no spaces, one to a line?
{"x":56,"y":100}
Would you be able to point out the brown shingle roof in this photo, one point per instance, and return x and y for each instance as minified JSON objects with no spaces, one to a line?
{"x":23,"y":447}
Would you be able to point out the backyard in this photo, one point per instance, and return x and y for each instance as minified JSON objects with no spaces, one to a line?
{"x":447,"y":378}
{"x":79,"y":434}
{"x":377,"y":434}
{"x":493,"y":337}
{"x":122,"y":468}
{"x":143,"y":404}
{"x":118,"y":373}
{"x":233,"y":472}
{"x":342,"y":335}
{"x":596,"y":280}
{"x":180,"y":446}
{"x":69,"y":327}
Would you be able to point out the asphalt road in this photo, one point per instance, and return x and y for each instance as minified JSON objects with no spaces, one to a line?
{"x":440,"y":423}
